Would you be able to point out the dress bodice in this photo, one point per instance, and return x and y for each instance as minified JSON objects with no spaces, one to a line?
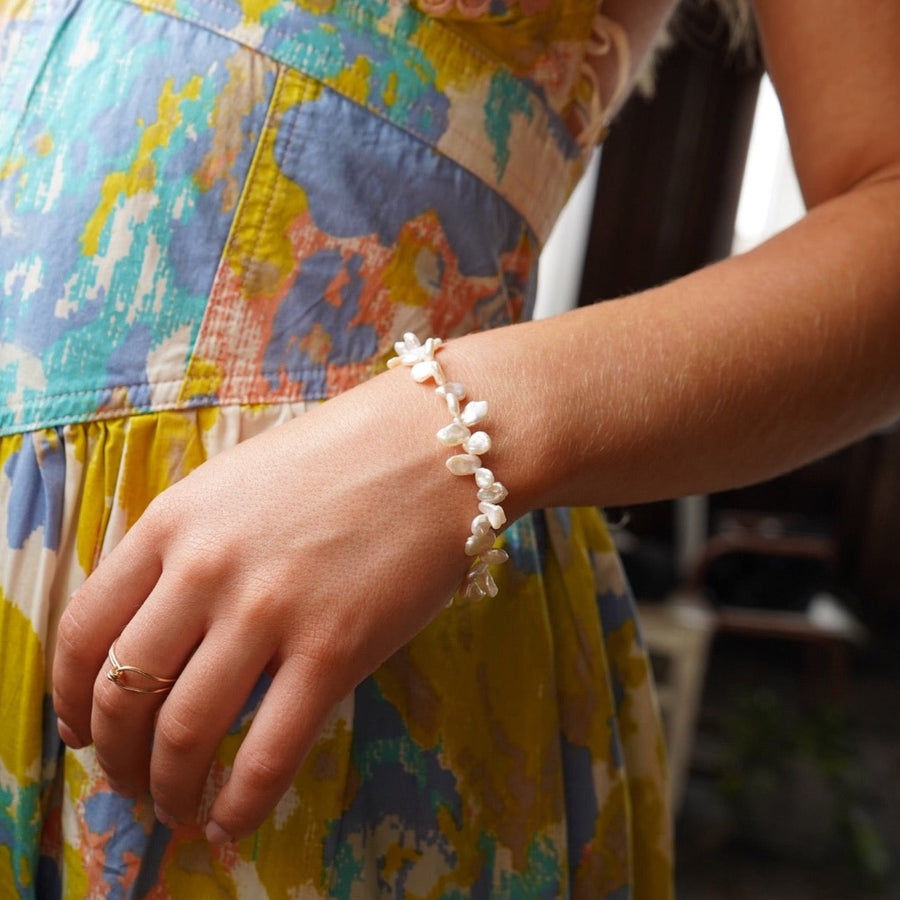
{"x":201,"y":203}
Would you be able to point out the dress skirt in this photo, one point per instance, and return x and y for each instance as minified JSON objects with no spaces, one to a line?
{"x":214,"y":214}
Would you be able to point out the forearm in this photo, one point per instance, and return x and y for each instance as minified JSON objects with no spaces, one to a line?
{"x":733,"y":374}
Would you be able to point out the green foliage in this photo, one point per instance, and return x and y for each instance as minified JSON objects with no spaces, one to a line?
{"x":766,"y":748}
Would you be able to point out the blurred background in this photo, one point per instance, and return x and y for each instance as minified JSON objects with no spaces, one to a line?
{"x":773,"y":612}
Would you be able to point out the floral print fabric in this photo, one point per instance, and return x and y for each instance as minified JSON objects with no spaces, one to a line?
{"x":201,"y":232}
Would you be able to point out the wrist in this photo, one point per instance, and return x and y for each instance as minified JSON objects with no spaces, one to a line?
{"x":525,"y":454}
{"x":467,"y":440}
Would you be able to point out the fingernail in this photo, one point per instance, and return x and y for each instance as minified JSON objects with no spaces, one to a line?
{"x":164,"y":817}
{"x":69,"y":738}
{"x":215,"y":834}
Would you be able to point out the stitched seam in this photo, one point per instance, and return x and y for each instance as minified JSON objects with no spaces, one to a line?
{"x":217,"y":284}
{"x":209,"y":331}
{"x":44,"y":414}
{"x":270,"y":129}
{"x":77,"y":419}
{"x":165,"y":382}
{"x":521,"y":188}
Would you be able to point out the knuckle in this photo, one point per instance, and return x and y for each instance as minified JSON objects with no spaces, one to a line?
{"x":325,"y":667}
{"x":322,"y":658}
{"x":263,"y":773}
{"x":160,"y":512}
{"x":258,"y":613}
{"x":72,"y":634}
{"x":160,"y":520}
{"x":323,"y":643}
{"x":195,"y":569}
{"x":177,"y":735}
{"x":109,"y":702}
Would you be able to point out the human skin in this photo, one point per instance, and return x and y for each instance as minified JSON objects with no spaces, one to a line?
{"x":737,"y":372}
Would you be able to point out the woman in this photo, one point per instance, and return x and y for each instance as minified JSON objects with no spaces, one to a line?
{"x":216,"y":215}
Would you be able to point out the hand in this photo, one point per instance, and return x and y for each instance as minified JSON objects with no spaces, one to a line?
{"x":311,"y":552}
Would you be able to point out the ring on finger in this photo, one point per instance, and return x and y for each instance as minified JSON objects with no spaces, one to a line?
{"x":124,"y":677}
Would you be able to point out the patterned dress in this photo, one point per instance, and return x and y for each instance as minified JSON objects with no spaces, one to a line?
{"x":212,"y":214}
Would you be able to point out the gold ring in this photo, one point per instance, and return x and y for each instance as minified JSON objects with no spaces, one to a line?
{"x":117,"y":670}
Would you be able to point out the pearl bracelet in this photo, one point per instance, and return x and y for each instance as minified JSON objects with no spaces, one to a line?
{"x":480,"y":545}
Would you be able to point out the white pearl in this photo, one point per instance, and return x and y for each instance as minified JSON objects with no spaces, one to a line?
{"x":474,"y":591}
{"x":429,"y":368}
{"x":474,"y":412}
{"x":478,"y":443}
{"x":477,"y":544}
{"x":484,"y":478}
{"x":463,"y":464}
{"x":493,"y":493}
{"x":480,"y":544}
{"x":453,"y":387}
{"x":480,"y":525}
{"x":453,"y":434}
{"x":485,"y":581}
{"x":410,"y":342}
{"x":495,"y":557}
{"x":495,"y":513}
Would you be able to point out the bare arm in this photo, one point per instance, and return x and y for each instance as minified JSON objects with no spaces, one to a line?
{"x":751,"y":366}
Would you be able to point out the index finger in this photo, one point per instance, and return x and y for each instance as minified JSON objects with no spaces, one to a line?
{"x":96,"y":614}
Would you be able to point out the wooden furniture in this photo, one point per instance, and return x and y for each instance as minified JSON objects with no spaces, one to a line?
{"x":677,"y":635}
